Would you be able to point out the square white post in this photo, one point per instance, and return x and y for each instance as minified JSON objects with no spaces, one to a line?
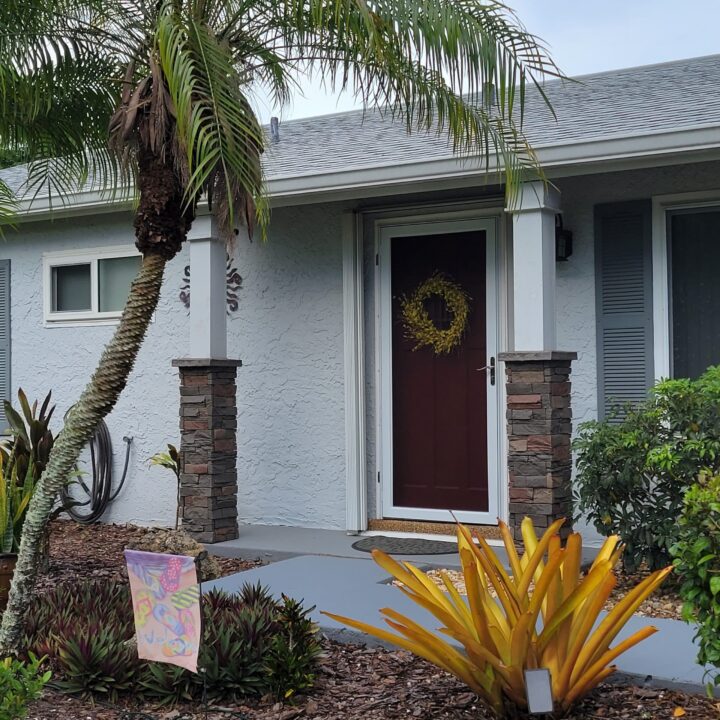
{"x":208,"y":291}
{"x":534,"y":266}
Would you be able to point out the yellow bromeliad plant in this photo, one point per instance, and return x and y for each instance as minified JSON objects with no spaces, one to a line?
{"x":544,"y":613}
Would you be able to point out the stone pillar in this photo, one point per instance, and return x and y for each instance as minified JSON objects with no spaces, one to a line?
{"x":539,"y":426}
{"x":208,"y":452}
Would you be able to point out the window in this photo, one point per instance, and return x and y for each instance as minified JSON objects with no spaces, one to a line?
{"x":694,"y":265}
{"x":88,"y":285}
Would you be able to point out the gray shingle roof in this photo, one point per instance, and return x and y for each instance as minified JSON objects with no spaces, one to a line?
{"x":620,"y":103}
{"x":14,"y":177}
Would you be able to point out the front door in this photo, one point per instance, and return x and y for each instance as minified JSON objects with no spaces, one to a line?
{"x":440,"y":455}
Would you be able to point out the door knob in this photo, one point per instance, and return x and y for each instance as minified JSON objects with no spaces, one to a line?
{"x":491,"y":367}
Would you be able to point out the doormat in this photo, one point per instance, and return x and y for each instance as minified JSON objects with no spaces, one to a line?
{"x":405,"y":546}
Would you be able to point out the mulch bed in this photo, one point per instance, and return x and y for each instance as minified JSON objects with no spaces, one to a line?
{"x":663,"y":603}
{"x":360,"y":683}
{"x":96,"y":552}
{"x":356,"y":682}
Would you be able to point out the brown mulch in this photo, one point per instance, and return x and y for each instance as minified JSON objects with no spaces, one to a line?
{"x":663,"y":603}
{"x":356,"y":682}
{"x":96,"y":552}
{"x":359,"y":683}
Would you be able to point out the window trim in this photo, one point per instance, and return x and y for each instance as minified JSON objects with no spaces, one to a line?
{"x":86,"y":256}
{"x":662,"y":205}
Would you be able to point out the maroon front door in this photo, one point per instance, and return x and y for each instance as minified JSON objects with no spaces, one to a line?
{"x":440,"y":401}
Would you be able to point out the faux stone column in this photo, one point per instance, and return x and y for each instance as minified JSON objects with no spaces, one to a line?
{"x":208,"y":412}
{"x":208,"y":423}
{"x":539,"y":426}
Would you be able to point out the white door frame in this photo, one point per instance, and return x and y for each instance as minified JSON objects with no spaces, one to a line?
{"x":428,"y":225}
{"x":661,"y":205}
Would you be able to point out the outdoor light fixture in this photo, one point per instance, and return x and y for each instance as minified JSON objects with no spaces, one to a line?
{"x":538,"y":691}
{"x":563,"y":240}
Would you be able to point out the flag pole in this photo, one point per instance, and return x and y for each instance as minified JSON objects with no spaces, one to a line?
{"x":201,"y":670}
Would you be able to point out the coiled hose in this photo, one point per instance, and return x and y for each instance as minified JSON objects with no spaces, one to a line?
{"x":99,"y":493}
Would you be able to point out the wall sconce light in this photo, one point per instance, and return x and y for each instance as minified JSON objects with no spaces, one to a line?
{"x":563,"y":240}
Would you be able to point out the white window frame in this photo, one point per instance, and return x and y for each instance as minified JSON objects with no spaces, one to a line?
{"x":661,"y":205}
{"x":86,"y":256}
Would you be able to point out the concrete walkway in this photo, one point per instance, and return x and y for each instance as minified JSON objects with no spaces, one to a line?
{"x":279,"y":542}
{"x":343,"y":581}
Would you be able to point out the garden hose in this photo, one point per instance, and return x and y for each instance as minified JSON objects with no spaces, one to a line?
{"x":99,"y":491}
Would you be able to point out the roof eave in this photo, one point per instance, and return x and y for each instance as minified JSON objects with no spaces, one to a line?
{"x":582,"y":157}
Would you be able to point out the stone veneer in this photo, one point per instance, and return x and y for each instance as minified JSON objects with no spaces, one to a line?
{"x":539,"y":426}
{"x":208,"y":450}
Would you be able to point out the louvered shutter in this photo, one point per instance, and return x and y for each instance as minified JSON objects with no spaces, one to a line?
{"x":4,"y":340}
{"x":623,"y":268}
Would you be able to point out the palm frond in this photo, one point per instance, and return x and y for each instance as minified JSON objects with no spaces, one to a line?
{"x":177,"y":78}
{"x":216,"y":128}
{"x":56,"y":95}
{"x":459,"y":67}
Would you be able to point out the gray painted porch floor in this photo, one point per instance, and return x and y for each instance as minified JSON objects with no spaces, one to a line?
{"x":321,"y":568}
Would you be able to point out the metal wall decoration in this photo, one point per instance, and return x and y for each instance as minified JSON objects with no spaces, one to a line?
{"x":233,"y":284}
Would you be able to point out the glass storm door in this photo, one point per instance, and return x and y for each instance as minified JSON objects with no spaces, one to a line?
{"x":438,"y":453}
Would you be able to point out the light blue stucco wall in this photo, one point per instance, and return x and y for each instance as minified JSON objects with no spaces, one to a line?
{"x":287,"y":330}
{"x":61,"y":359}
{"x":575,"y":288}
{"x":289,"y":335}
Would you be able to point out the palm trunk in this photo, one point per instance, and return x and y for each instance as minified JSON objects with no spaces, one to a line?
{"x":96,"y":401}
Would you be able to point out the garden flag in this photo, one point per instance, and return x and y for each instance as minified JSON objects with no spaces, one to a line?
{"x":166,"y":605}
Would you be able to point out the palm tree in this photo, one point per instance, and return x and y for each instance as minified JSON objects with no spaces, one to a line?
{"x":174,"y":81}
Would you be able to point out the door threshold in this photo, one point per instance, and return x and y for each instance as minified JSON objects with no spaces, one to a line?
{"x":493,"y":542}
{"x":385,"y":526}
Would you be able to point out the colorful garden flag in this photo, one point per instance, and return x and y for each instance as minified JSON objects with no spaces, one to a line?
{"x":166,"y":605}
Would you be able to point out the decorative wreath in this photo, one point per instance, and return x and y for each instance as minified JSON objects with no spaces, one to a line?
{"x":418,"y":324}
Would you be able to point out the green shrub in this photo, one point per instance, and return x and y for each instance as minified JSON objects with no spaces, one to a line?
{"x":632,"y":472}
{"x":697,"y":561}
{"x":252,"y":645}
{"x":20,"y":684}
{"x":84,"y":631}
{"x":292,"y":658}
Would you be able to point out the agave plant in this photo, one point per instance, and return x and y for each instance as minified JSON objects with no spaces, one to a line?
{"x":15,"y":495}
{"x":30,"y":440}
{"x":24,"y":453}
{"x":544,"y":613}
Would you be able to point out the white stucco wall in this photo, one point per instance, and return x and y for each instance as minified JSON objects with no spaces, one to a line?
{"x":289,"y":334}
{"x":61,"y":359}
{"x":576,"y":278}
{"x":287,"y":331}
{"x":575,"y":293}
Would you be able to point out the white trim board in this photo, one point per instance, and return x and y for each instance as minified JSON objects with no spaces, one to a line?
{"x":354,"y":354}
{"x":385,"y":229}
{"x":579,"y":157}
{"x":661,"y":204}
{"x":493,"y":542}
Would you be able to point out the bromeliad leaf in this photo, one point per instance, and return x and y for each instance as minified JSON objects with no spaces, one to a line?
{"x":543,"y":615}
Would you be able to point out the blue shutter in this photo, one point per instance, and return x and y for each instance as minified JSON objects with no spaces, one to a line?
{"x":623,"y":280}
{"x":4,"y":340}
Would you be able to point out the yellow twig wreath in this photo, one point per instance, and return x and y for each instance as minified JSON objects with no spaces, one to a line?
{"x":419,"y":325}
